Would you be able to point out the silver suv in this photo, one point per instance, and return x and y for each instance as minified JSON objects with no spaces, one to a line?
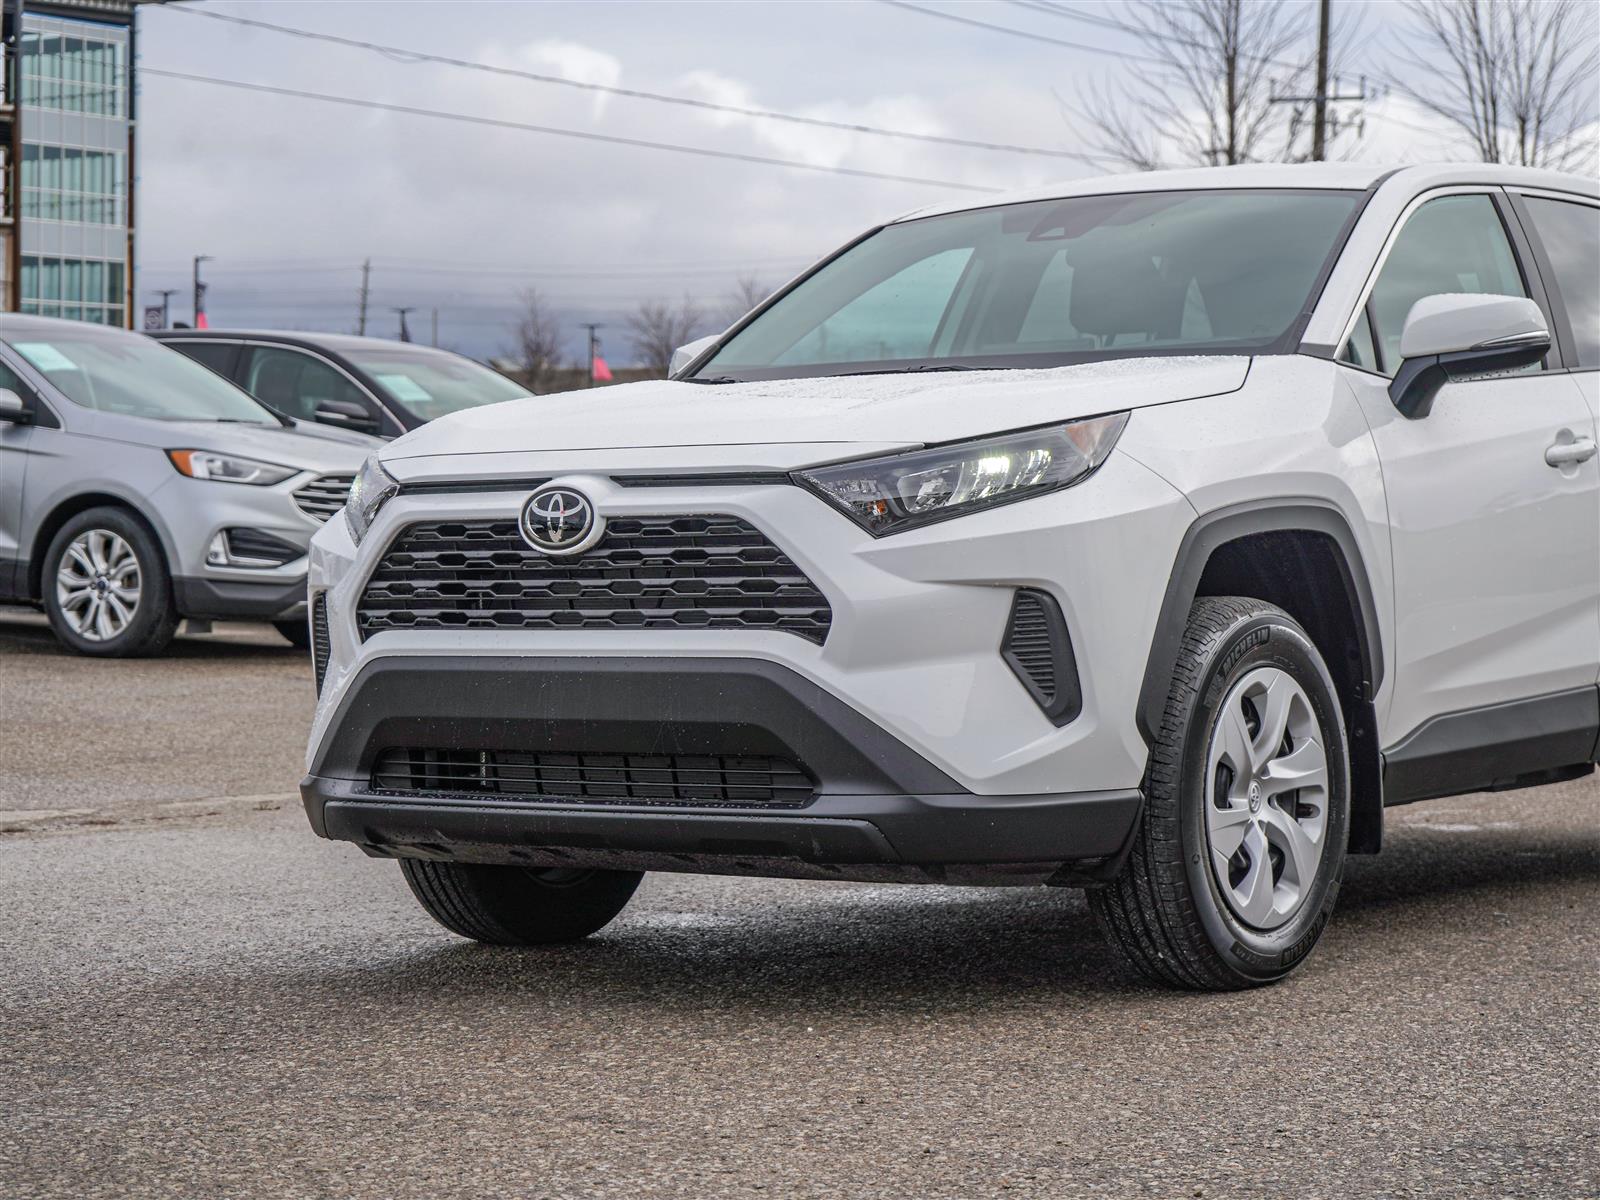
{"x":138,"y":488}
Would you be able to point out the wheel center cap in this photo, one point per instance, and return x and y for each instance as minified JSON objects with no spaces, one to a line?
{"x":1255,"y":796}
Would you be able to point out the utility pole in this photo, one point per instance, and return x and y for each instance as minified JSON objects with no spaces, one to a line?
{"x":405,"y":334}
{"x":594,"y":344}
{"x":436,"y":327}
{"x":1323,"y":126}
{"x":1319,"y":129}
{"x":166,"y":295}
{"x":361,"y":303}
{"x":199,"y":292}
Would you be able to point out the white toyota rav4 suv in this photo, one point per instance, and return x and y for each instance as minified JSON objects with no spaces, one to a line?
{"x":1147,"y":534}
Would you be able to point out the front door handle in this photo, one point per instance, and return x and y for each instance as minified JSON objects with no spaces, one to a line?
{"x":1564,"y":454}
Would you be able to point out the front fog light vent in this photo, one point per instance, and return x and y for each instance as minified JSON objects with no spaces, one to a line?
{"x":1038,"y":648}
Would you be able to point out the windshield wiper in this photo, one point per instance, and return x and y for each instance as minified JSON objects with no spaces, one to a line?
{"x":712,"y":379}
{"x":916,"y":370}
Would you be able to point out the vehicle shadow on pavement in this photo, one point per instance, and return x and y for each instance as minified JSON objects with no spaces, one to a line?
{"x":34,"y":639}
{"x":788,"y":951}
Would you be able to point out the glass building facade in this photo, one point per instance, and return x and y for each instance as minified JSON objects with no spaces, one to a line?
{"x":76,"y":134}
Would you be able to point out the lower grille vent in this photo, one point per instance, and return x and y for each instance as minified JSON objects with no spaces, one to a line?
{"x":1038,"y":649}
{"x":673,"y":779}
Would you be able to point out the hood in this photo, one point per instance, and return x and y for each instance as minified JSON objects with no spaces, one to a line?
{"x":908,"y":409}
{"x":269,"y":443}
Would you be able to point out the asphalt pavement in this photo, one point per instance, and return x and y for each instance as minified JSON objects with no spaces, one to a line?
{"x":200,"y":999}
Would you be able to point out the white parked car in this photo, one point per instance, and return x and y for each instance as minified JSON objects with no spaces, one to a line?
{"x":1147,"y":534}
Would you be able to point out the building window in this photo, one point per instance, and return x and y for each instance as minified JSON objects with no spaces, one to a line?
{"x":83,"y":289}
{"x":68,"y":183}
{"x":82,"y":71}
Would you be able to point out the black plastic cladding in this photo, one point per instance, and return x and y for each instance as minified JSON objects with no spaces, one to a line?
{"x":676,"y":572}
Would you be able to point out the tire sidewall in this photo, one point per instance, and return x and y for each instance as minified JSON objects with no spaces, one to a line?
{"x":144,"y":633}
{"x":1263,"y":640}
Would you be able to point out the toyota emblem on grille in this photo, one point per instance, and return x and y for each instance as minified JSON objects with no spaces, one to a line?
{"x":558,"y":520}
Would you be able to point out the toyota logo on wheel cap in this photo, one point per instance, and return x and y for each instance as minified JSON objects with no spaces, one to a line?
{"x":559,"y":520}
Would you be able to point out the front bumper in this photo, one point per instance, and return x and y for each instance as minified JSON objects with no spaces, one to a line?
{"x":918,"y":619}
{"x":881,"y":811}
{"x":240,"y":599}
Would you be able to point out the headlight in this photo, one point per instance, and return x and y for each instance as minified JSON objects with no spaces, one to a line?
{"x":369,"y":493}
{"x":888,"y":495}
{"x":228,"y":468}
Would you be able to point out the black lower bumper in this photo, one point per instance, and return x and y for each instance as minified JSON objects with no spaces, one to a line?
{"x":881,"y":811}
{"x":233,"y":599}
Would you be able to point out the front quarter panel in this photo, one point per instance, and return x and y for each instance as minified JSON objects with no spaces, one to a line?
{"x":1294,"y":432}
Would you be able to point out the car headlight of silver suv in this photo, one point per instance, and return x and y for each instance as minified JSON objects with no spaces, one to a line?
{"x":228,"y":468}
{"x":370,"y":492}
{"x":903,"y":491}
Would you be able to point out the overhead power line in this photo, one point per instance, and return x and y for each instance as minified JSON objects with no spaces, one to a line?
{"x":1104,"y":22}
{"x":418,"y":56}
{"x":553,"y":131}
{"x":1025,"y":33}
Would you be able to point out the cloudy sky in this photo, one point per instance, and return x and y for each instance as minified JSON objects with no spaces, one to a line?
{"x":290,"y":194}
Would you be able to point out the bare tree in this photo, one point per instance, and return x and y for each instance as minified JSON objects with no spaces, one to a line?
{"x":746,"y":293}
{"x":657,"y":328}
{"x":1517,"y":77}
{"x":538,"y":337}
{"x":1209,"y":99}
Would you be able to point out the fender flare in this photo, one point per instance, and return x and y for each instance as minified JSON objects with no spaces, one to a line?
{"x":1220,"y":526}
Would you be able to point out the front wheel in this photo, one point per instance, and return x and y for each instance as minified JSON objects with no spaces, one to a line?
{"x":105,"y":586}
{"x":518,"y":906}
{"x":1235,"y":869}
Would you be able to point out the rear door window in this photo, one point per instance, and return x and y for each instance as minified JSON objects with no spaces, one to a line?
{"x":221,"y":357}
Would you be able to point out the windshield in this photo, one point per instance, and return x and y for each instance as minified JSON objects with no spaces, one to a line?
{"x":1051,"y":283}
{"x":433,"y":384}
{"x":134,"y":376}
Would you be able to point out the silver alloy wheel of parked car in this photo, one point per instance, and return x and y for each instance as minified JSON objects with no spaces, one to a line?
{"x":98,"y":585}
{"x":1268,"y":807}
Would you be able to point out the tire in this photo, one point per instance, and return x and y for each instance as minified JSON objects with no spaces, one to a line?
{"x":105,"y":586}
{"x":296,"y":633}
{"x":1183,"y":911}
{"x":518,"y":906}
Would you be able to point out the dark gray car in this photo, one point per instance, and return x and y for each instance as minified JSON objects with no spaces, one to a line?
{"x":367,"y":384}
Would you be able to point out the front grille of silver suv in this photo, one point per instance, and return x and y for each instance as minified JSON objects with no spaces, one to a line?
{"x":667,"y":572}
{"x":324,"y":495}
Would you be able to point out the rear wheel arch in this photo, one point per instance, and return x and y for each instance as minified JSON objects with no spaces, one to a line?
{"x":1302,"y":556}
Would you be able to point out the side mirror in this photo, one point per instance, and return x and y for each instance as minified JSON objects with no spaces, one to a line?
{"x":346,"y":414}
{"x":1449,"y":336}
{"x":687,"y":353}
{"x":13,"y":408}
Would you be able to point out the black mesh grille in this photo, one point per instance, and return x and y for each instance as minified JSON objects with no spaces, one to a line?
{"x":680,"y":572}
{"x":320,"y":649}
{"x":673,"y":779}
{"x":1039,"y":649}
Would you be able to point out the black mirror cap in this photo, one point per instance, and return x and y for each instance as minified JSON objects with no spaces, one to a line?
{"x":1418,"y":380}
{"x":347,"y":414}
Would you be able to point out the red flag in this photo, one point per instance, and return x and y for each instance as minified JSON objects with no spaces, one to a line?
{"x":200,"y":321}
{"x":602,"y":373}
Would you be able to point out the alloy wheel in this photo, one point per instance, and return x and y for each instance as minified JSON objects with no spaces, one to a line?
{"x":98,"y":585}
{"x":1266,"y":806}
